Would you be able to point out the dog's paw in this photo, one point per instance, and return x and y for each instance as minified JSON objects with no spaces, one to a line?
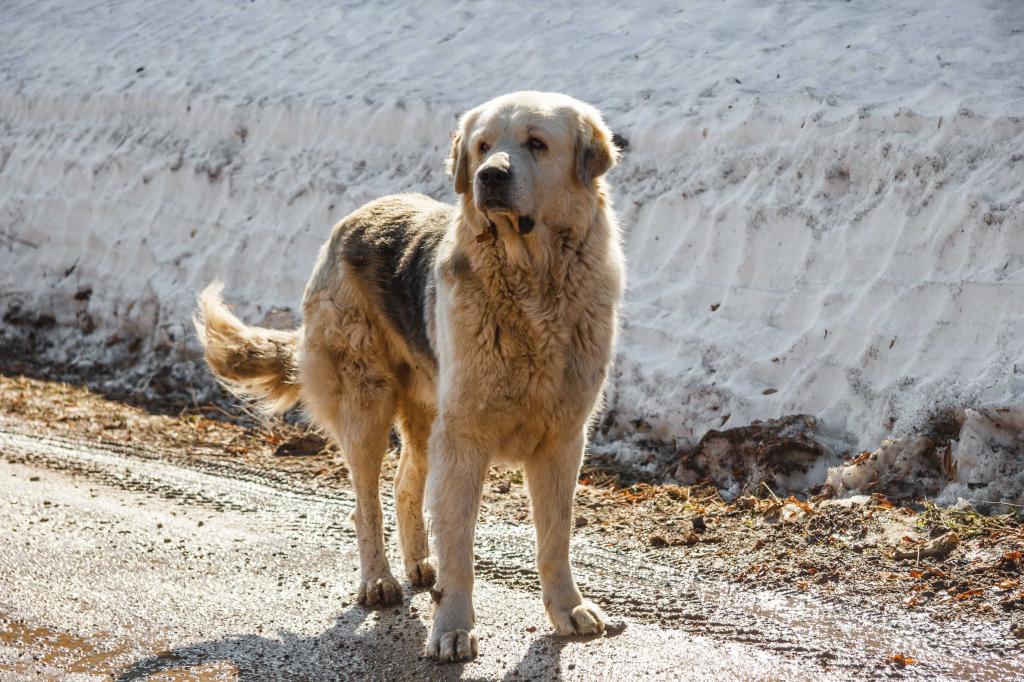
{"x":423,"y":573}
{"x":586,"y":618}
{"x":453,"y":645}
{"x":383,"y":591}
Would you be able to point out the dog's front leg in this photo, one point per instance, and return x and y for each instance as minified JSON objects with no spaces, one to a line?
{"x":457,"y":466}
{"x":551,"y":477}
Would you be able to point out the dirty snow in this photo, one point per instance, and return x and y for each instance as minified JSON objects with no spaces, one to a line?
{"x":821,"y":202}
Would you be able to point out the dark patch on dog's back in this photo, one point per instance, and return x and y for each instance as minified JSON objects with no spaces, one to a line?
{"x":391,"y":245}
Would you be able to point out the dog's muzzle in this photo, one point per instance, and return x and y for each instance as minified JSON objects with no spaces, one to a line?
{"x":495,"y":183}
{"x":494,"y":188}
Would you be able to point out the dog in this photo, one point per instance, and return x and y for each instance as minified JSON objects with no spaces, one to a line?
{"x":482,"y":331}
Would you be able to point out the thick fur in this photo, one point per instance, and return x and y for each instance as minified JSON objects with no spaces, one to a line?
{"x":483,"y":331}
{"x":255,"y":363}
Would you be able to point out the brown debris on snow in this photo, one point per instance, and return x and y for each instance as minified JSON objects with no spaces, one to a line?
{"x":751,"y":455}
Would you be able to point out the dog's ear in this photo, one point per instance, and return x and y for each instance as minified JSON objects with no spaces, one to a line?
{"x":595,"y":153}
{"x":458,"y":162}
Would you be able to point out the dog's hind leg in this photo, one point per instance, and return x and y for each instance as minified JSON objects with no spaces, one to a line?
{"x":354,"y":402}
{"x":551,"y":478}
{"x":347,"y":390}
{"x":414,"y":428}
{"x":363,"y":437}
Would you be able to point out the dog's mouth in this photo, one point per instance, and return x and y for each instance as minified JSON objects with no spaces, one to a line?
{"x":523,"y":224}
{"x":496,"y":210}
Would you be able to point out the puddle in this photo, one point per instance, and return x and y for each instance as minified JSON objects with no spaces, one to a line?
{"x":41,"y":648}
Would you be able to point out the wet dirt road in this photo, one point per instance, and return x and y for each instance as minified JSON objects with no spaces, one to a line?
{"x":119,"y":564}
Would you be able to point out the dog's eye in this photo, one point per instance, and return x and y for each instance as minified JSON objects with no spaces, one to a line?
{"x":535,"y":145}
{"x":484,"y":147}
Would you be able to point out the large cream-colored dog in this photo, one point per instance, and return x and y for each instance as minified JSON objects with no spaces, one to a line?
{"x":483,"y":331}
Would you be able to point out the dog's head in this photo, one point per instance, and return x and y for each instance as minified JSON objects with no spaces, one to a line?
{"x":529,"y":157}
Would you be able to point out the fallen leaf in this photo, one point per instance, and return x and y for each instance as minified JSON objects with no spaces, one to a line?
{"x":787,"y":513}
{"x":969,"y":593}
{"x":902,"y":659}
{"x":800,"y":503}
{"x":935,"y":547}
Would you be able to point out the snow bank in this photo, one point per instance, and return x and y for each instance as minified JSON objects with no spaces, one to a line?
{"x":822,"y":202}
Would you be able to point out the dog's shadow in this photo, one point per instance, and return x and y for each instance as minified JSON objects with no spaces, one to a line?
{"x":362,"y":644}
{"x":386,"y":644}
{"x":542,"y":660}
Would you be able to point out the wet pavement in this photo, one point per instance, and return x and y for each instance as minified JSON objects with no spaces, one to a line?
{"x":117,"y":563}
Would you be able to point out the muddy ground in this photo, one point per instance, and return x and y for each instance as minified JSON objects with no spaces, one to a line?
{"x":951,"y":567}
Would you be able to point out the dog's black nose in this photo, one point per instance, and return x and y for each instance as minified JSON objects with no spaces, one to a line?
{"x":493,"y":176}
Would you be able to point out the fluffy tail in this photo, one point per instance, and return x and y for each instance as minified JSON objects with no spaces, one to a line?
{"x":252,"y":362}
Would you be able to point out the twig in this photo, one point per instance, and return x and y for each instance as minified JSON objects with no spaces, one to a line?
{"x":1006,"y":504}
{"x":774,"y":496}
